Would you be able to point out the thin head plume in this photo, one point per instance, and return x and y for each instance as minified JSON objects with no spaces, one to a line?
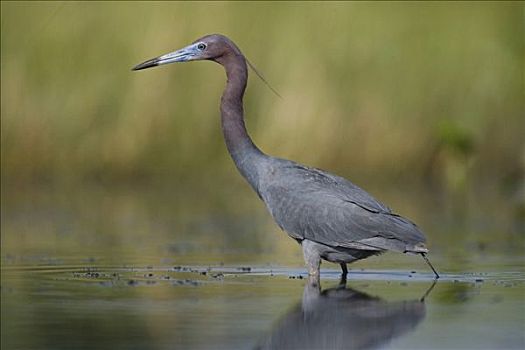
{"x":262,"y":78}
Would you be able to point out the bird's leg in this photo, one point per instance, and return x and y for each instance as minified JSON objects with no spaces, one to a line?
{"x":313,"y":281}
{"x":313,"y":261}
{"x":429,"y":264}
{"x":342,"y":281}
{"x":344,"y":269}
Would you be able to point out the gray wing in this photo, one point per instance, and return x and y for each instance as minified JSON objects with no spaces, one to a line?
{"x":311,"y":204}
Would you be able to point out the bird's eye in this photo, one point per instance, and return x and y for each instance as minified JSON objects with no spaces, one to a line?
{"x":201,"y":46}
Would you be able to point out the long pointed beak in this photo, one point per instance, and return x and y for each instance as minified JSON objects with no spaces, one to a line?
{"x":189,"y":53}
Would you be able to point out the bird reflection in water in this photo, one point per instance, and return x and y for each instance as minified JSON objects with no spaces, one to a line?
{"x":344,"y":318}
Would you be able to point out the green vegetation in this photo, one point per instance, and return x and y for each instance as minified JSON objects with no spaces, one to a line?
{"x":420,"y":103}
{"x":370,"y":89}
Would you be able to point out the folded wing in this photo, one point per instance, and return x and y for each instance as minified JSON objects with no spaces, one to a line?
{"x":312,"y":204}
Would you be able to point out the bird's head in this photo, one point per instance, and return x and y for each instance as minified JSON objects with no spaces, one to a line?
{"x":210,"y":47}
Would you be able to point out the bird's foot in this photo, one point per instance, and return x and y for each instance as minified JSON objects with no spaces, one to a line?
{"x":342,"y":282}
{"x":314,"y":279}
{"x":344,"y":273}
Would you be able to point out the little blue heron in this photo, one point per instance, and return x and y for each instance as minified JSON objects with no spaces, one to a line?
{"x":330,"y":217}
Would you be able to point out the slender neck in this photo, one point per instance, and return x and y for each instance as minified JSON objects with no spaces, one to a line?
{"x":239,"y":144}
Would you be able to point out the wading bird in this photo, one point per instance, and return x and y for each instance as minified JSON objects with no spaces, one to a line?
{"x":330,"y":217}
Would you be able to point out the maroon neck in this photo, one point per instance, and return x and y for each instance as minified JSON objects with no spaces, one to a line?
{"x":239,"y":144}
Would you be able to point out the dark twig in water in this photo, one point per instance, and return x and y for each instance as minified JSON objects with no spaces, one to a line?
{"x":429,"y":264}
{"x":428,"y":291}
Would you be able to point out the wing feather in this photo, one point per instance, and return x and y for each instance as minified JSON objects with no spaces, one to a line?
{"x":312,"y":204}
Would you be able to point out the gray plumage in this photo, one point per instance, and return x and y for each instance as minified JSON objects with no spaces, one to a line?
{"x":329,"y":216}
{"x":312,"y":204}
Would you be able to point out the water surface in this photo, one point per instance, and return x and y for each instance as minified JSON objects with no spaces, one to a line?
{"x":126,"y":270}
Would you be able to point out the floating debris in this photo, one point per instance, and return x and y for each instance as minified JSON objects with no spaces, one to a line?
{"x":294,"y":277}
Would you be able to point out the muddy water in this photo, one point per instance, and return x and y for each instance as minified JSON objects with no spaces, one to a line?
{"x":96,"y":271}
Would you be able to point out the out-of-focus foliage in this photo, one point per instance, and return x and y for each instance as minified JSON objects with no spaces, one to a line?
{"x":377,"y":91}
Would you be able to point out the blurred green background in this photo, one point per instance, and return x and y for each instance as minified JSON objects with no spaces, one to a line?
{"x":420,"y":103}
{"x":126,"y":173}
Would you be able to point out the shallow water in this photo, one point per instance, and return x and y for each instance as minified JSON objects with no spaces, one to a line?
{"x":128,"y":271}
{"x":55,"y":307}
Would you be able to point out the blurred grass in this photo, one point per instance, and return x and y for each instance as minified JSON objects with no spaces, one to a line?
{"x":386,"y":92}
